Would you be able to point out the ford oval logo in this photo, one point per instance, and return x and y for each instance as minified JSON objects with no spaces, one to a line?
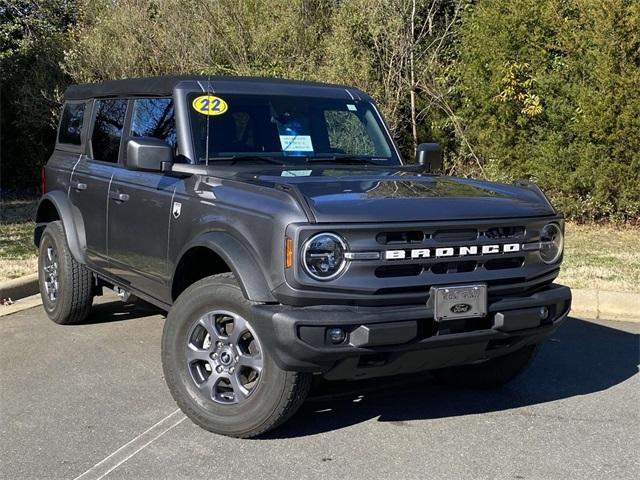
{"x":460,"y":308}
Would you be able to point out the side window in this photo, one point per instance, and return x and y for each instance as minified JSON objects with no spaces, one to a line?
{"x":154,"y":117}
{"x":347,"y":134}
{"x":71,"y":123}
{"x":107,"y":129}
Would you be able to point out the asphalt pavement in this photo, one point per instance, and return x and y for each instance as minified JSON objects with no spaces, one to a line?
{"x":89,"y":402}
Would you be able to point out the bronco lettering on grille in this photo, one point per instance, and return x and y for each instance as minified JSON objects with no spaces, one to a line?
{"x":441,"y":252}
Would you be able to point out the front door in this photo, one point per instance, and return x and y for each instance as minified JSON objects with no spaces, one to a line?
{"x":140,"y":207}
{"x":92,"y":175}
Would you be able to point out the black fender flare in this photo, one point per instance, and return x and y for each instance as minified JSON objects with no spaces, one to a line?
{"x":240,"y":260}
{"x":71,"y":221}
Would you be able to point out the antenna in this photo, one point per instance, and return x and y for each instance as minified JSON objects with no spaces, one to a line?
{"x":206,"y":148}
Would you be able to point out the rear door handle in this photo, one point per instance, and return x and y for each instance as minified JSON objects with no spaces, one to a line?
{"x":119,"y":197}
{"x":80,"y":186}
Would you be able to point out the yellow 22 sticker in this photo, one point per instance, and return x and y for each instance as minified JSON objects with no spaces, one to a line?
{"x":209,"y":105}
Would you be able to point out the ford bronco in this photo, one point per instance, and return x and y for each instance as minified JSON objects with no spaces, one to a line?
{"x":277,"y":224}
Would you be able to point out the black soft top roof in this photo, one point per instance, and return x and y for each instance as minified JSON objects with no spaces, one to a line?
{"x":162,"y":86}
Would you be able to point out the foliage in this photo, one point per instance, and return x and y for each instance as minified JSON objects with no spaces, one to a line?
{"x":33,"y":36}
{"x":550,"y":92}
{"x":537,"y":89}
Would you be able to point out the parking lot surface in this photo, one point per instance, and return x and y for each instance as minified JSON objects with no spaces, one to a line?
{"x":89,"y":402}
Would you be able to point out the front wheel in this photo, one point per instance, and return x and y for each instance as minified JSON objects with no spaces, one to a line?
{"x":217,"y":368}
{"x":488,"y":374}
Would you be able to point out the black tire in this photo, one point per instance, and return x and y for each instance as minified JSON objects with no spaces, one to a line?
{"x":277,"y":395}
{"x":490,"y":374}
{"x":73,"y":298}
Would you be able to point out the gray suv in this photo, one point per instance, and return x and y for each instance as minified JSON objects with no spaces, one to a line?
{"x":277,"y":224}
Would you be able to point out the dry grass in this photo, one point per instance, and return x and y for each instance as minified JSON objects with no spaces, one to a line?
{"x":602,"y":257}
{"x":596,"y":256}
{"x":18,"y":254}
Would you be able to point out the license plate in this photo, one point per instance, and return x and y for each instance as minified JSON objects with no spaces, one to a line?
{"x":465,"y":301}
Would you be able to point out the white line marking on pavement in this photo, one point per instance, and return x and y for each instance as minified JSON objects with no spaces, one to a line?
{"x":129,"y":449}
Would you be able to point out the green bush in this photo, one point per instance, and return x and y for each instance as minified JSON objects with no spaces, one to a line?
{"x":550,"y":92}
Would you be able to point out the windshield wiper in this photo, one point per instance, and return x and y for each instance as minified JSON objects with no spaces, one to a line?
{"x":342,"y":159}
{"x":253,"y":158}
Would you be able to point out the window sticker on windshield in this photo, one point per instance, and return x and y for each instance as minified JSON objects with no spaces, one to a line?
{"x":296,"y":173}
{"x":351,"y":107}
{"x":209,"y":105}
{"x":296,"y":143}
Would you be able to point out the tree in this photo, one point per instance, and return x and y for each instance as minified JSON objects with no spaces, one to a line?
{"x":33,"y":36}
{"x":394,"y":49}
{"x":548,"y":91}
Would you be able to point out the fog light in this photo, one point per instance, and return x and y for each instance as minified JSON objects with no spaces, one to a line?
{"x":544,"y":313}
{"x":336,"y":335}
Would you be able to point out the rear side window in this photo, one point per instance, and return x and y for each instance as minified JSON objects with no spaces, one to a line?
{"x":71,"y":123}
{"x":154,"y":117}
{"x":107,"y":129}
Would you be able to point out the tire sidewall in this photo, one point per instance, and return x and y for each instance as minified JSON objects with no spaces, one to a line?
{"x":257,"y":409}
{"x":54,"y":235}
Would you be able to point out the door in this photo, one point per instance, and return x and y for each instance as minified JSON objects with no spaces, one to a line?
{"x":140,"y":205}
{"x":92,"y":175}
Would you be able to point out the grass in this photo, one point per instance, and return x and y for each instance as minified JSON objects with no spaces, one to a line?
{"x":602,"y":257}
{"x":596,"y":256}
{"x":18,"y":254}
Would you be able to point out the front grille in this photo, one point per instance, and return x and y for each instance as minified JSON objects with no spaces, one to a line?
{"x":411,"y":239}
{"x":406,"y":278}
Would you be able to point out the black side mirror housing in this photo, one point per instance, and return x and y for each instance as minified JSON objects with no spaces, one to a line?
{"x":149,"y":154}
{"x":429,"y":155}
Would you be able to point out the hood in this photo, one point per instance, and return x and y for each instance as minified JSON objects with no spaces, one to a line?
{"x":337,"y":196}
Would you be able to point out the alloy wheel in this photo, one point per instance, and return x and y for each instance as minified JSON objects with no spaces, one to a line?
{"x":224,"y":357}
{"x":50,"y":268}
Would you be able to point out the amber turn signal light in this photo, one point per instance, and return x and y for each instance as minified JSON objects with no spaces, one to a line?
{"x":288,"y":253}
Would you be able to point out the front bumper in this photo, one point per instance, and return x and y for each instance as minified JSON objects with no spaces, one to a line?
{"x":390,"y":340}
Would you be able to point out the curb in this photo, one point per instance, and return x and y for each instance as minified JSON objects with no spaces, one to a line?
{"x":590,"y":303}
{"x":19,"y":287}
{"x":20,"y":305}
{"x":606,"y":305}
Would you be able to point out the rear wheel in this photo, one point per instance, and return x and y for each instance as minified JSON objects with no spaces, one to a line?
{"x":65,"y":285}
{"x":216,"y":367}
{"x":489,"y":374}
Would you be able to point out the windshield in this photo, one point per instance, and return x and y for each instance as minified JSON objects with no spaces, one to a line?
{"x":287,"y":130}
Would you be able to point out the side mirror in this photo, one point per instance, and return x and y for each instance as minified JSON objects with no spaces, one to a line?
{"x":147,"y":153}
{"x":429,"y":155}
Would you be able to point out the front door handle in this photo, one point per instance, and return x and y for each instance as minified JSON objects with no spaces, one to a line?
{"x":119,"y":197}
{"x":80,"y":186}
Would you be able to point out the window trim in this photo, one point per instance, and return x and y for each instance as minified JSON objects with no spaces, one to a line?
{"x":94,"y":113}
{"x":86,"y":120}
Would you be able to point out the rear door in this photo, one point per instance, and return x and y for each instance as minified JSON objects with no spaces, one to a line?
{"x":93,"y":173}
{"x":140,"y":205}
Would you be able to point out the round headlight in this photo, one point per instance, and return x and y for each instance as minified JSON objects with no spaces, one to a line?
{"x":551,"y":243}
{"x":323,"y":256}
